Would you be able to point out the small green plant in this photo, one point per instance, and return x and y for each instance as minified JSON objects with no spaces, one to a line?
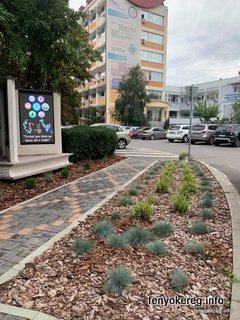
{"x":64,"y":173}
{"x":48,"y":176}
{"x":82,"y":246}
{"x":30,"y":182}
{"x":163,"y":229}
{"x":148,"y":177}
{"x":103,"y":228}
{"x":180,"y":203}
{"x":199,"y":173}
{"x":199,"y":227}
{"x":207,"y":202}
{"x":179,"y":279}
{"x":205,"y":182}
{"x":116,"y":241}
{"x":115,"y":215}
{"x":163,"y":185}
{"x":206,"y":214}
{"x":125,"y":201}
{"x":157,"y":247}
{"x":183,"y":155}
{"x":138,"y":186}
{"x":208,"y":194}
{"x":194,"y":247}
{"x":143,"y":210}
{"x":133,"y":192}
{"x":151,"y":199}
{"x":87,"y":165}
{"x":79,"y":169}
{"x":137,"y":236}
{"x":189,"y":187}
{"x":151,"y":172}
{"x":118,"y":280}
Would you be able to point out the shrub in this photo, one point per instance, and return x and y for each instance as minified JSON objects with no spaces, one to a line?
{"x":30,"y":182}
{"x":133,"y":192}
{"x":151,"y":172}
{"x":207,"y":202}
{"x":157,"y":247}
{"x":190,"y":187}
{"x":194,"y":247}
{"x":163,"y":229}
{"x":205,"y":182}
{"x":138,"y":186}
{"x":88,"y":142}
{"x":206,"y":188}
{"x":81,"y":246}
{"x":179,"y":279}
{"x":64,"y":173}
{"x":183,"y":155}
{"x":199,"y":228}
{"x":151,"y":199}
{"x":115,"y":215}
{"x":125,"y":201}
{"x":180,"y":203}
{"x":103,"y":228}
{"x":118,"y":280}
{"x":199,"y":173}
{"x":206,"y":214}
{"x":143,"y":210}
{"x":208,"y":194}
{"x":48,"y":176}
{"x":116,"y":241}
{"x":87,"y":165}
{"x":137,"y":236}
{"x":163,"y":185}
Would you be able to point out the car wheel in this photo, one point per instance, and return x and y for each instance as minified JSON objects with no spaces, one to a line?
{"x":122,"y":144}
{"x":211,"y":140}
{"x":185,"y":139}
{"x":170,"y":140}
{"x":152,"y":137}
{"x":216,"y":143}
{"x":143,"y":138}
{"x":193,"y":141}
{"x":236,"y":144}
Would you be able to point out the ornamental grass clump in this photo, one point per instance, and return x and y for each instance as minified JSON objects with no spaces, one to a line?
{"x":82,"y":246}
{"x":118,"y":280}
{"x":180,"y":203}
{"x":30,"y":182}
{"x":199,"y":228}
{"x":133,"y":192}
{"x":157,"y":247}
{"x":125,"y":201}
{"x":207,"y":202}
{"x":163,"y":229}
{"x":151,"y":199}
{"x":64,"y":173}
{"x":115,"y":215}
{"x":103,"y":228}
{"x":179,"y":279}
{"x":143,"y":210}
{"x":137,"y":236}
{"x":116,"y":241}
{"x":205,"y":182}
{"x":194,"y":247}
{"x":206,"y":214}
{"x":163,"y":185}
{"x":48,"y":176}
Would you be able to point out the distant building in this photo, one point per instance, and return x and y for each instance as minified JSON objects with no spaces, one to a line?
{"x":126,"y":35}
{"x":222,"y":92}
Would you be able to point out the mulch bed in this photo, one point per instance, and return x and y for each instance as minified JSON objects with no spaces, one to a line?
{"x":15,"y":192}
{"x":69,"y":287}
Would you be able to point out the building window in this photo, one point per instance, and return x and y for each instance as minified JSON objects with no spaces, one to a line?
{"x":92,"y":17}
{"x":173,"y":98}
{"x":153,"y":75}
{"x":173,"y":114}
{"x":153,"y":115}
{"x":151,"y":56}
{"x":154,"y":94}
{"x":153,"y":18}
{"x":152,"y":37}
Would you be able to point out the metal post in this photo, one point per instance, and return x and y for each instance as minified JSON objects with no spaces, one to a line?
{"x":190,"y":129}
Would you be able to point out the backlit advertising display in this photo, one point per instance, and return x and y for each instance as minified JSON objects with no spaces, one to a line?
{"x":36,"y":117}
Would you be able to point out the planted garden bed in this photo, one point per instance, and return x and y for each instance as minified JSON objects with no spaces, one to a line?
{"x":168,"y":235}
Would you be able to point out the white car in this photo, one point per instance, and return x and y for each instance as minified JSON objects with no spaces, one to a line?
{"x":178,"y":132}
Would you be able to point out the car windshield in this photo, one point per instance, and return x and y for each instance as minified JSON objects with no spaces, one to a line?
{"x":198,"y":128}
{"x":174,"y":128}
{"x":225,"y":128}
{"x":146,"y":128}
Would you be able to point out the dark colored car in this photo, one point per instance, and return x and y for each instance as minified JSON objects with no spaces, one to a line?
{"x":203,"y":132}
{"x":228,"y":133}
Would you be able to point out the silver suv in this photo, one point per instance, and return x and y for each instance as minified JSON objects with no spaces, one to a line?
{"x":122,"y":133}
{"x":203,"y":132}
{"x":178,"y":132}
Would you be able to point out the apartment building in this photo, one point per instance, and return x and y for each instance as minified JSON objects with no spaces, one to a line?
{"x":223,"y":92}
{"x":126,"y":34}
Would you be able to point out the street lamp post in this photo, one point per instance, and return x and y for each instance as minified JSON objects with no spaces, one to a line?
{"x":191,"y":91}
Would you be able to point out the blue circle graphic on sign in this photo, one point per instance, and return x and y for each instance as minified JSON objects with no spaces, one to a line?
{"x":32,"y":114}
{"x":31,"y":98}
{"x":41,"y":114}
{"x":40,"y":99}
{"x":36,"y":106}
{"x":45,"y":107}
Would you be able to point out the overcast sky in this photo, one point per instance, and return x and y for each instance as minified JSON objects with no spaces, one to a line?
{"x":203,"y":40}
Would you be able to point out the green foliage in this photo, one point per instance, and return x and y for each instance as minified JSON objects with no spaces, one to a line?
{"x":118,"y":280}
{"x":183,"y":155}
{"x":64,"y":173}
{"x":179,"y":279}
{"x":207,"y":202}
{"x":129,"y":107}
{"x":199,"y":228}
{"x":133,"y":192}
{"x":166,"y":124}
{"x":103,"y":228}
{"x":163,"y":185}
{"x":206,"y":214}
{"x":115,"y":215}
{"x":180,"y":203}
{"x":116,"y":241}
{"x":206,"y":111}
{"x":88,"y":142}
{"x":90,"y":115}
{"x":157,"y":247}
{"x":143,"y":210}
{"x":163,"y":229}
{"x":82,"y":246}
{"x":235,"y":116}
{"x":30,"y":182}
{"x":48,"y":176}
{"x":87,"y":165}
{"x":208,"y":194}
{"x":194,"y":247}
{"x":151,"y":199}
{"x":125,"y":201}
{"x":137,"y":236}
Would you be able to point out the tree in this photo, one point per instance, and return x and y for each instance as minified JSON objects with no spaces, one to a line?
{"x":129,"y":107}
{"x":206,"y":111}
{"x":236,"y":112}
{"x":90,"y":115}
{"x":43,"y":45}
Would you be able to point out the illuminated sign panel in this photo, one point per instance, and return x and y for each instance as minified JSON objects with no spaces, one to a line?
{"x":147,"y":4}
{"x":36,"y":117}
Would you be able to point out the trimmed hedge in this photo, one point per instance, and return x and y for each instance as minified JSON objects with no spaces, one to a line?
{"x":88,"y":142}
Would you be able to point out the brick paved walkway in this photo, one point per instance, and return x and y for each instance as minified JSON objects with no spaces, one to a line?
{"x":28,"y":226}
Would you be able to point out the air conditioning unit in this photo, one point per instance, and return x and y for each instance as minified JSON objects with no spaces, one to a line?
{"x":142,"y":41}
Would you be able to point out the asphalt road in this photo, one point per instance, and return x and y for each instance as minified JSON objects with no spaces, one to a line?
{"x":224,"y":158}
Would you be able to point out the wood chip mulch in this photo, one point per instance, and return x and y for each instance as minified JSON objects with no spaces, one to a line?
{"x":69,"y":287}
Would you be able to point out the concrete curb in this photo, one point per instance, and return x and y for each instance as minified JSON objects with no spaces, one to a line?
{"x":233,"y":199}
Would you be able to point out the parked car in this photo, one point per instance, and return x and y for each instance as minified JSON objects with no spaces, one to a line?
{"x":134,"y":131}
{"x":152,"y":133}
{"x":227,"y":133}
{"x":122,"y":133}
{"x":178,"y":132}
{"x":203,"y":132}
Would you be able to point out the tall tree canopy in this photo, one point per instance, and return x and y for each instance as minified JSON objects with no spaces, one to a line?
{"x":206,"y":111}
{"x":236,"y":112}
{"x":43,"y":45}
{"x":129,"y":107}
